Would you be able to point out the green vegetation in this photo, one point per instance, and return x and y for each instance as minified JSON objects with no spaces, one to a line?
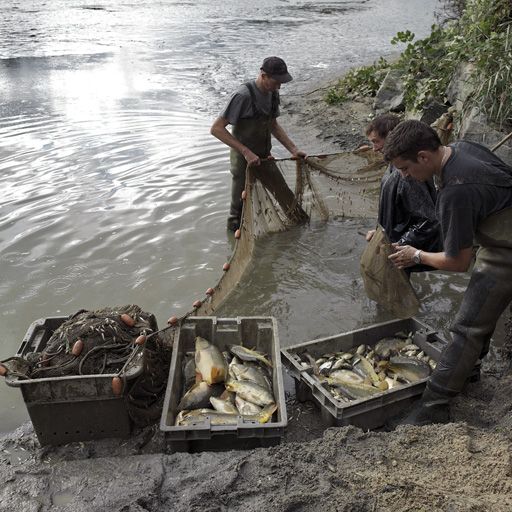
{"x":481,"y":35}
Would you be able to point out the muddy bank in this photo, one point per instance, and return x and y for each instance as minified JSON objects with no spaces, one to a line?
{"x":460,"y":467}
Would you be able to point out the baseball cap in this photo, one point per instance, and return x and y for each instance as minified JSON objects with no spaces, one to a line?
{"x":276,"y":68}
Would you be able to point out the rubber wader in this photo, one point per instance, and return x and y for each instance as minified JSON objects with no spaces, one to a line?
{"x":254,"y":133}
{"x":488,"y":294}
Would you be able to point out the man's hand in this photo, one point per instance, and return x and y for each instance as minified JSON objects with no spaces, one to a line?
{"x":403,"y":256}
{"x":370,"y":234}
{"x":251,"y":159}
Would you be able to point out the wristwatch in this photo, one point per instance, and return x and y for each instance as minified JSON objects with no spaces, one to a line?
{"x":416,"y":257}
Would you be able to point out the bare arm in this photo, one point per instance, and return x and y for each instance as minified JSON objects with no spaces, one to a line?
{"x":279,"y":133}
{"x":404,"y":254}
{"x":219,"y":130}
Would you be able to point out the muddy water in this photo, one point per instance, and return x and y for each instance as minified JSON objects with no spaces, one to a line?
{"x":113,"y":191}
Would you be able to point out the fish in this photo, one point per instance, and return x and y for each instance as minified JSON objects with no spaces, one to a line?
{"x":365,"y":369}
{"x":243,"y":372}
{"x":224,"y":406}
{"x":409,"y":368}
{"x":249,"y":355}
{"x":346,"y":375}
{"x":388,"y":347}
{"x":210,"y":362}
{"x":217,"y":418}
{"x":199,"y":396}
{"x":354,"y":390}
{"x":251,"y":392}
{"x":246,"y":408}
{"x":189,"y":373}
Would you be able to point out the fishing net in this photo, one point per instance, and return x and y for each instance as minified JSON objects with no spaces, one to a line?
{"x":123,"y":342}
{"x":283,"y":193}
{"x":383,"y":282}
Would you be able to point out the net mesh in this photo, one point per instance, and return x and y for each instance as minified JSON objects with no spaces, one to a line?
{"x":283,"y":193}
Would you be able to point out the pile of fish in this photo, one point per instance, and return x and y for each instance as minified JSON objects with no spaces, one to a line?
{"x":363,"y":371}
{"x":225,"y":385}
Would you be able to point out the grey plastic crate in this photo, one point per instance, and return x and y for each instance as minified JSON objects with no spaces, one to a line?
{"x":72,"y":408}
{"x":369,"y":413}
{"x":259,"y":333}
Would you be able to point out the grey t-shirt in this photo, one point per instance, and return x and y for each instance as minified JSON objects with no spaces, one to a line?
{"x":475,"y":184}
{"x":240,"y":104}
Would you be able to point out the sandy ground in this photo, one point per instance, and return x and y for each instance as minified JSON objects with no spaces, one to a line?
{"x":462,"y":466}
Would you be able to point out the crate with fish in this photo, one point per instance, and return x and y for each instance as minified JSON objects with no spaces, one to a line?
{"x":367,"y":376}
{"x":225,"y":388}
{"x":85,"y":377}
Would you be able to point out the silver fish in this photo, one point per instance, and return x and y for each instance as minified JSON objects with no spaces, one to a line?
{"x":251,"y":392}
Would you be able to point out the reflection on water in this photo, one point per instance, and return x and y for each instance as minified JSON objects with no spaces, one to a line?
{"x":113,"y":191}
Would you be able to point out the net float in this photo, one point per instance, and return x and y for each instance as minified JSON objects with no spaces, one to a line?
{"x":140,"y":340}
{"x":225,"y":267}
{"x":45,"y":359}
{"x":364,"y":148}
{"x":270,"y":157}
{"x":117,"y":385}
{"x":3,"y":370}
{"x":173,"y":320}
{"x":128,"y":320}
{"x":77,"y":348}
{"x":210,"y":291}
{"x":197,"y":304}
{"x":449,"y":126}
{"x":244,"y":194}
{"x":294,"y":157}
{"x":322,"y":155}
{"x":238,"y":233}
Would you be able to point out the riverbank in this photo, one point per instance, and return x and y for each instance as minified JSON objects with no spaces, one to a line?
{"x":461,"y":467}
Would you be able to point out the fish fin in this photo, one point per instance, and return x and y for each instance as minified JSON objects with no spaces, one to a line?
{"x":383,"y":385}
{"x":199,"y":377}
{"x":368,"y":381}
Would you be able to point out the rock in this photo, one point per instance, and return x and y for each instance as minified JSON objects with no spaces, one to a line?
{"x":432,"y":111}
{"x":474,"y":127}
{"x":391,"y":95}
{"x":461,"y":85}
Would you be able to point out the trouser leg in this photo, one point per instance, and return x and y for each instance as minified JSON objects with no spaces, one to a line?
{"x":235,"y":210}
{"x":238,"y":172}
{"x":488,"y":294}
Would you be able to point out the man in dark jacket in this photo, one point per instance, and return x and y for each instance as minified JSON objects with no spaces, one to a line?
{"x":406,"y":206}
{"x":474,"y":206}
{"x":253,"y":111}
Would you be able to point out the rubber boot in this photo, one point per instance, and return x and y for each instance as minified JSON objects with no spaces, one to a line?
{"x":431,"y":408}
{"x":233,"y":224}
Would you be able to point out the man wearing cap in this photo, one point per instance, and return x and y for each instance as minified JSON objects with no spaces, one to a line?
{"x":252,"y":111}
{"x":474,"y":206}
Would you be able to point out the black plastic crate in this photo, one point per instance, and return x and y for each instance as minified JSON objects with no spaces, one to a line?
{"x":368,"y":413}
{"x":259,"y":333}
{"x":72,"y":408}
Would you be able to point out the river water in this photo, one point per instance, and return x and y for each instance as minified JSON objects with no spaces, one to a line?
{"x":114,"y":192}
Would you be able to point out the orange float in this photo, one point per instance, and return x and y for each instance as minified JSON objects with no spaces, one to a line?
{"x":77,"y":348}
{"x":117,"y":385}
{"x":128,"y":320}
